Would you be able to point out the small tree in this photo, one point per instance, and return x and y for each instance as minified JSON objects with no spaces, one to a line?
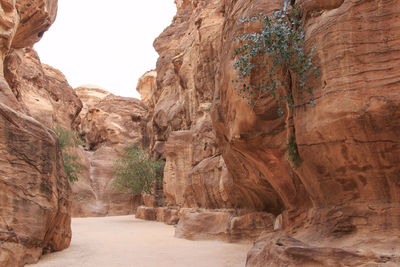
{"x":136,"y":172}
{"x":68,"y":139}
{"x":277,"y":50}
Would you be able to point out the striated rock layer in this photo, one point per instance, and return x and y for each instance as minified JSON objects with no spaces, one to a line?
{"x":345,"y":194}
{"x":35,"y":195}
{"x":180,"y":125}
{"x":108,"y":124}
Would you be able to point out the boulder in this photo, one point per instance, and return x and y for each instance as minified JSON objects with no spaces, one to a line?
{"x":287,"y":251}
{"x":146,"y":213}
{"x":250,"y":226}
{"x":195,"y":225}
{"x":167,"y":215}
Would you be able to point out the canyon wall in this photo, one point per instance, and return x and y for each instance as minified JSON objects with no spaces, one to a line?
{"x":180,"y":125}
{"x":222,"y":152}
{"x":35,"y":195}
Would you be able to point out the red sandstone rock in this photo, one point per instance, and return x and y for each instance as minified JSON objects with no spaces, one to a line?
{"x":349,"y":141}
{"x":226,"y":225}
{"x":42,"y":91}
{"x":346,"y":186}
{"x":286,"y":251}
{"x":250,"y":226}
{"x":35,"y":193}
{"x":146,"y":213}
{"x":167,"y":215}
{"x":196,"y":225}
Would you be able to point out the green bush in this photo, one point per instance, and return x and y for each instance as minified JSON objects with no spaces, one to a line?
{"x":278,"y":48}
{"x":67,"y":139}
{"x":72,"y":166}
{"x":136,"y":172}
{"x":293,"y":152}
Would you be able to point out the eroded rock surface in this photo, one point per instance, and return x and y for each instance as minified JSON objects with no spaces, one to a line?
{"x":146,"y":87}
{"x":180,"y":126}
{"x":42,"y":91}
{"x":35,"y":195}
{"x":348,"y":141}
{"x":226,"y":225}
{"x":347,"y":185}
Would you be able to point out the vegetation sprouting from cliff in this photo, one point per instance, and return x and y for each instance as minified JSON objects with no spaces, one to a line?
{"x":276,"y":51}
{"x":136,"y":172}
{"x":293,"y":152}
{"x":68,"y":139}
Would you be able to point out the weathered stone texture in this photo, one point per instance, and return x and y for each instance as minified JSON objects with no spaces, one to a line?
{"x":35,"y":195}
{"x":347,"y":185}
{"x":42,"y":91}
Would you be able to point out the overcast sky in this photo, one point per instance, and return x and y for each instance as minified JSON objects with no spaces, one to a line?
{"x":105,"y":43}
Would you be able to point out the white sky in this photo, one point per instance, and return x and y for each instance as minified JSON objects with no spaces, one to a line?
{"x":105,"y":43}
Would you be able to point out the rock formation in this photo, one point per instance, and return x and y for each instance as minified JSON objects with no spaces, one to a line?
{"x":146,"y":87}
{"x":42,"y":91}
{"x":180,"y":124}
{"x":108,"y":123}
{"x":343,"y":199}
{"x":225,"y":225}
{"x":35,"y":194}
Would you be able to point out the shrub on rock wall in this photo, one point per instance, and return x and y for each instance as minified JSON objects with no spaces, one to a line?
{"x":277,"y":50}
{"x":136,"y":172}
{"x":68,"y":139}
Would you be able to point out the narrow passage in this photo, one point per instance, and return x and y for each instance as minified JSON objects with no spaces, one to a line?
{"x":125,"y":241}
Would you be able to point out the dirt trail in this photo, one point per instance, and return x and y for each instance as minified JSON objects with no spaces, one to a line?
{"x":125,"y":241}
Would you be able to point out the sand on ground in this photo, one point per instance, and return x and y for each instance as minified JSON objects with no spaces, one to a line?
{"x":126,"y":241}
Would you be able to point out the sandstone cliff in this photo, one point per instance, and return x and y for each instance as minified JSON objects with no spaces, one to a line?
{"x":345,"y":193}
{"x":108,"y":123}
{"x":34,"y":190}
{"x":180,"y":126}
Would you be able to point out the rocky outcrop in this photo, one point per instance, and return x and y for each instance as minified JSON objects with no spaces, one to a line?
{"x":108,"y":124}
{"x":347,"y":184}
{"x":146,"y":87}
{"x":167,"y":215}
{"x":42,"y":91}
{"x":35,"y":18}
{"x":180,"y":125}
{"x":35,"y":193}
{"x":287,"y":251}
{"x":146,"y":213}
{"x":225,"y":225}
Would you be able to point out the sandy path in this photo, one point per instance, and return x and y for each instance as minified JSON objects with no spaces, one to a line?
{"x":124,"y":241}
